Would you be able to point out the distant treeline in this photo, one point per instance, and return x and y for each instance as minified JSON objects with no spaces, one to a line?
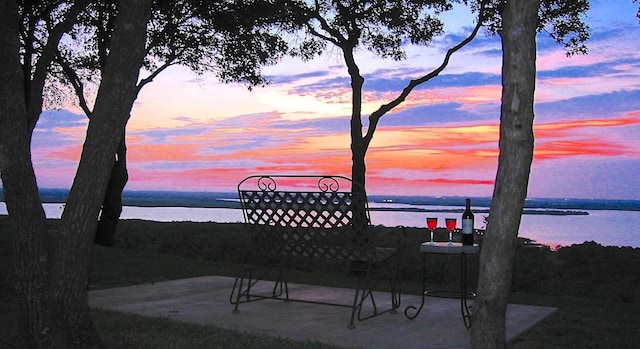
{"x":552,"y":212}
{"x":155,"y":198}
{"x":229,"y":200}
{"x":540,"y":203}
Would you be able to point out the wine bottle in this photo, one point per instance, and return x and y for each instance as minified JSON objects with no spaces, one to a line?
{"x":467,"y":225}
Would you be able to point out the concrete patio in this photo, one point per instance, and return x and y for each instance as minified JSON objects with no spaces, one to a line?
{"x":205,"y":300}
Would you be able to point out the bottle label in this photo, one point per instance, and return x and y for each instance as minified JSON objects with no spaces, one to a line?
{"x":467,"y":226}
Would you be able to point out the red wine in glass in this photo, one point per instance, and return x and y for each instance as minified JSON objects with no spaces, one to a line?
{"x":451,"y":224}
{"x":432,"y":222}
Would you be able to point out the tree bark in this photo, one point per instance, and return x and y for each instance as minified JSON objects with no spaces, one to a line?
{"x":514,"y":165}
{"x":26,"y":215}
{"x":112,"y":203}
{"x":114,"y":101}
{"x":52,"y":265}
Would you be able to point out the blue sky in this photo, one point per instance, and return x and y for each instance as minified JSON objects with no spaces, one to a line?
{"x":192,"y":133}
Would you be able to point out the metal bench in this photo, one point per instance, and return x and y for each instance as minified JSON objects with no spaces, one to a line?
{"x":315,"y":223}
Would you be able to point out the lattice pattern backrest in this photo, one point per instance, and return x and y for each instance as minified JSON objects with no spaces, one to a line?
{"x":312,"y":222}
{"x":298,"y":209}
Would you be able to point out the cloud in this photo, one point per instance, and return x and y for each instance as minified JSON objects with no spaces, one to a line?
{"x":432,"y":114}
{"x":408,"y":150}
{"x":292,"y":79}
{"x":608,"y":178}
{"x":55,"y":119}
{"x":57,"y":128}
{"x":456,"y":182}
{"x":442,"y":140}
{"x":604,"y":105}
{"x":595,"y":138}
{"x":598,"y":69}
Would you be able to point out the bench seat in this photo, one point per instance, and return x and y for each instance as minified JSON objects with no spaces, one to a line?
{"x":315,"y":223}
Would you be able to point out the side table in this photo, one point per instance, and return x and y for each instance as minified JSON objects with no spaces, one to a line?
{"x":454,"y":249}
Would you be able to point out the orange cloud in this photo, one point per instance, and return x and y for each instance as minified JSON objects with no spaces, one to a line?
{"x":190,"y":179}
{"x":403,"y":186}
{"x":424,"y":156}
{"x":571,"y":125}
{"x":422,"y":149}
{"x":164,"y":152}
{"x":77,"y":133}
{"x":70,"y":153}
{"x":448,"y":181}
{"x":567,"y":138}
{"x":592,"y":147}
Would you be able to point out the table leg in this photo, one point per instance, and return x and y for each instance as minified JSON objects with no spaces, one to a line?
{"x":424,"y":291}
{"x":464,"y":308}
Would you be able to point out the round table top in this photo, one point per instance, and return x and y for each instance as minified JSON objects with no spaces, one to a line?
{"x":446,"y":248}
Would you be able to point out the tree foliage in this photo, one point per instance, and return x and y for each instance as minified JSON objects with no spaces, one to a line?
{"x":228,"y":39}
{"x":106,"y":43}
{"x":385,"y":28}
{"x":562,"y":20}
{"x":382,"y":27}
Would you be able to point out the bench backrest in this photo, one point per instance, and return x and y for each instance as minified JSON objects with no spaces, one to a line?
{"x":305,"y":216}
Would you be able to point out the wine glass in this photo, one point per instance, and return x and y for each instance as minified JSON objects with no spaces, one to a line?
{"x":451,"y":224}
{"x":432,"y":222}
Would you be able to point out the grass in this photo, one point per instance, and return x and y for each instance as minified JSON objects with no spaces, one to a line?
{"x":124,"y":331}
{"x":152,"y":252}
{"x":113,"y":267}
{"x":581,"y":323}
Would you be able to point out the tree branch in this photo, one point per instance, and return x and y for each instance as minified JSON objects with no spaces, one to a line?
{"x":337,"y":38}
{"x":34,"y":104}
{"x":374,"y":118}
{"x":153,"y":75}
{"x":76,"y":83}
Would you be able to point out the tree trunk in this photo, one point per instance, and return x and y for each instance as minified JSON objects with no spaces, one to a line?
{"x":52,"y":266}
{"x":112,"y":203}
{"x":113,"y":105}
{"x":26,"y":215}
{"x":514,"y":166}
{"x":358,"y":150}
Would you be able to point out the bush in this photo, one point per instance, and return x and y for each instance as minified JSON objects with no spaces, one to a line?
{"x":590,"y":269}
{"x":206,"y":241}
{"x":587,"y":270}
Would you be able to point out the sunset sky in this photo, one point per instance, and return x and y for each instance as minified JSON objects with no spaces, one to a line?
{"x":191,"y":133}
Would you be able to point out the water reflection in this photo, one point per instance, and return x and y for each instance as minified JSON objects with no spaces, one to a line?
{"x":609,"y":228}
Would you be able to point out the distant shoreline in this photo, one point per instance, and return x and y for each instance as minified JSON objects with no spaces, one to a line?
{"x":386,"y":203}
{"x":380,"y":209}
{"x":525,"y":211}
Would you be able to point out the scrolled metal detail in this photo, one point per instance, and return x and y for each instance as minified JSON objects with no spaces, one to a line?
{"x":266,"y":183}
{"x":328,"y":184}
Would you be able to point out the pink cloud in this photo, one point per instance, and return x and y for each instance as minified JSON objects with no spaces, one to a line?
{"x":426,"y":150}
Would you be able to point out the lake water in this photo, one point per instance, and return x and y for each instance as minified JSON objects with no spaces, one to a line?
{"x":607,"y":227}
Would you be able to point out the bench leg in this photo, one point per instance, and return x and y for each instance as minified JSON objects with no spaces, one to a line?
{"x":364,"y":293}
{"x":282,"y":283}
{"x":237,"y":292}
{"x":396,"y":293}
{"x":355,"y":309}
{"x":244,"y":283}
